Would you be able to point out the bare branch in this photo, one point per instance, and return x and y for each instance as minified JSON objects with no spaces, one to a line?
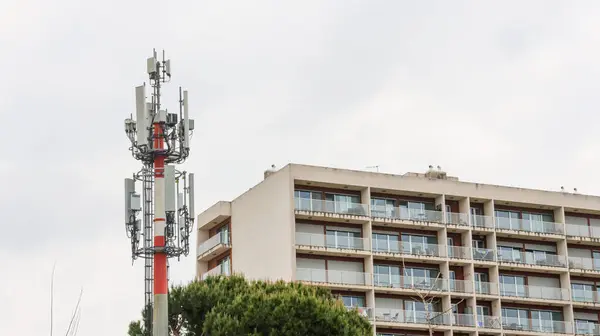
{"x":75,"y":312}
{"x":52,"y":299}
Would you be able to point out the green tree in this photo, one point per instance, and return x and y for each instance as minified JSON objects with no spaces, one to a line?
{"x":223,"y":306}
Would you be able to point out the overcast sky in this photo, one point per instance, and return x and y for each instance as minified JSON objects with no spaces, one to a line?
{"x":503,"y":93}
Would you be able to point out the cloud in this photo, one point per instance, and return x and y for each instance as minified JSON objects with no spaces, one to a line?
{"x":503,"y":93}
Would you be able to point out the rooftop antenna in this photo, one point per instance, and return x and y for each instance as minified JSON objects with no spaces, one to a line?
{"x":160,"y":220}
{"x":373,"y":167}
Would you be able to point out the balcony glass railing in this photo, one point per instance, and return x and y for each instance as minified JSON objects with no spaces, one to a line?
{"x":584,"y":263}
{"x":534,"y":292}
{"x":456,"y":218}
{"x":577,"y":230}
{"x":460,"y":286}
{"x":460,"y":252}
{"x":330,"y":241}
{"x":408,"y":248}
{"x":333,"y":276}
{"x":484,"y":254}
{"x":411,"y":316}
{"x":336,"y":207}
{"x":583,"y":295}
{"x":219,"y":238}
{"x":410,"y":282}
{"x":488,"y":288}
{"x":542,"y":326}
{"x":365,"y":312}
{"x":480,"y":221}
{"x":404,"y":213}
{"x":586,"y":328}
{"x":529,"y":258}
{"x":489,"y":322}
{"x":462,"y":320}
{"x":527,"y":225}
{"x":219,"y":270}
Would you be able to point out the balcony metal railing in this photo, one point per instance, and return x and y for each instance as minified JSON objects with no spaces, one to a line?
{"x":584,"y":263}
{"x":480,"y":221}
{"x":456,"y":218}
{"x":408,"y":248}
{"x":462,"y":320}
{"x":329,"y":241}
{"x":219,"y":238}
{"x":335,"y":207}
{"x":404,"y":213}
{"x":219,"y":270}
{"x":410,"y":282}
{"x":411,"y":316}
{"x":333,"y":276}
{"x":534,"y":292}
{"x":488,"y":288}
{"x":583,"y":295}
{"x":460,"y":252}
{"x":543,"y":326}
{"x":460,"y":286}
{"x":587,"y":328}
{"x":528,"y":225}
{"x":529,"y":258}
{"x":489,"y":322}
{"x":484,"y":254}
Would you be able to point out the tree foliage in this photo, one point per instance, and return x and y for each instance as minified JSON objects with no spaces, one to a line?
{"x":220,"y":306}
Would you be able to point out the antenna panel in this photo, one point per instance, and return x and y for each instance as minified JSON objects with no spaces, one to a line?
{"x":168,"y":68}
{"x":151,"y":65}
{"x":186,"y":124}
{"x":129,"y":190}
{"x":191,"y":191}
{"x":141,"y":115}
{"x":170,"y":188}
{"x":136,"y":203}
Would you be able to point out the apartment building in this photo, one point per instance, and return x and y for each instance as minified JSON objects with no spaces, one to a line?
{"x":419,"y":250}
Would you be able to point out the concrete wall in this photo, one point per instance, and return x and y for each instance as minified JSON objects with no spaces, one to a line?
{"x":262,"y":229}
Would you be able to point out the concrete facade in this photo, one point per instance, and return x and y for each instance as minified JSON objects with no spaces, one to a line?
{"x":486,"y":259}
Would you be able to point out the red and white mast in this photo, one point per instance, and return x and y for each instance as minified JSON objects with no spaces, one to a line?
{"x":165,"y":213}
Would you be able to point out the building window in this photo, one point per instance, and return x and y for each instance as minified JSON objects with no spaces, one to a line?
{"x":353,"y":301}
{"x":386,"y":243}
{"x":381,"y":207}
{"x":414,"y":244}
{"x":512,"y":285}
{"x":344,"y":239}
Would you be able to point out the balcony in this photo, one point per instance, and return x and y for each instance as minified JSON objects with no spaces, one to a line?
{"x":526,"y":225}
{"x":460,"y":286}
{"x":408,"y":248}
{"x":365,"y":312}
{"x":528,"y":258}
{"x":460,"y":252}
{"x":541,"y":326}
{"x":403,"y":213}
{"x":585,"y":296}
{"x":329,"y":242}
{"x":214,"y":246}
{"x":583,"y":231}
{"x":486,"y":288}
{"x":219,"y":270}
{"x":534,"y":292}
{"x":454,"y":218}
{"x":584,"y":264}
{"x":347,"y":278}
{"x":484,"y":254}
{"x":462,"y":320}
{"x":410,"y":282}
{"x":482,"y":222}
{"x":411,"y":316}
{"x":587,"y":328}
{"x":489,"y":322}
{"x":331,"y":207}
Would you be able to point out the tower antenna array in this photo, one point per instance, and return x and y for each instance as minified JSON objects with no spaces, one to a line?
{"x":160,"y":220}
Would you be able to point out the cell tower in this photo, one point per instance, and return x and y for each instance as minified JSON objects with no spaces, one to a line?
{"x":163,"y":217}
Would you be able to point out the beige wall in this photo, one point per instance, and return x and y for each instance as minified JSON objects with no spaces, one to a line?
{"x":261,"y":229}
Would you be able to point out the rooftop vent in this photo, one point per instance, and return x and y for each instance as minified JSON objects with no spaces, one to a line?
{"x":438,"y":173}
{"x":270,"y":171}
